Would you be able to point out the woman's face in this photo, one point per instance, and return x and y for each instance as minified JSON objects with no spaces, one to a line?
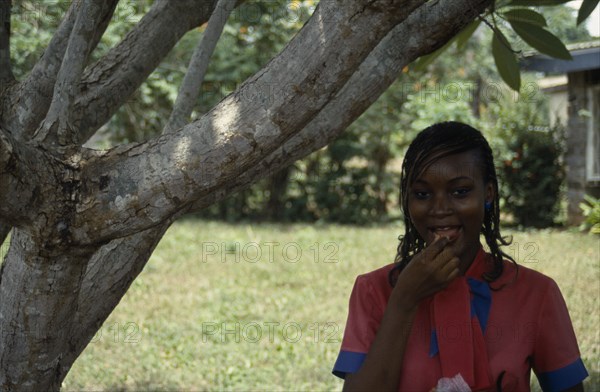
{"x":448,"y":199}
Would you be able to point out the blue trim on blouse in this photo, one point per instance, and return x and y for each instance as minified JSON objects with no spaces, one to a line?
{"x":563,"y":378}
{"x":348,"y":362}
{"x":433,"y":344}
{"x":481,"y":301}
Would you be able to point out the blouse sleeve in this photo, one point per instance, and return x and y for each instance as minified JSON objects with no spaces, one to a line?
{"x":361,"y":327}
{"x":556,"y":358}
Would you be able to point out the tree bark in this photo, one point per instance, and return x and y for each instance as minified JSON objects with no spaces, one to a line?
{"x":107,"y":84}
{"x":23,"y":172}
{"x":25,"y":104}
{"x":58,"y":129}
{"x":177,"y":169}
{"x":109,"y":274}
{"x":125,"y":67}
{"x":37,"y":291}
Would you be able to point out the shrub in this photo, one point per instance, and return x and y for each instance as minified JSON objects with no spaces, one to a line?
{"x":591,"y":211}
{"x":532,"y":175}
{"x":528,"y":153}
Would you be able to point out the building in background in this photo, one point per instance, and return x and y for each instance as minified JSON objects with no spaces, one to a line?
{"x":574,"y":100}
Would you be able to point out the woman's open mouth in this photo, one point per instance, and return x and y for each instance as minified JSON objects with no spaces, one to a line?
{"x":450,"y":232}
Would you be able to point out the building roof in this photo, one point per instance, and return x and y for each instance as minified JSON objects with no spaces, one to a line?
{"x":586,"y":56}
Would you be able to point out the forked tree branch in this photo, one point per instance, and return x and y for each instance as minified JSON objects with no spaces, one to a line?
{"x":107,"y":279}
{"x":111,"y":81}
{"x":29,"y":100}
{"x":190,"y":87}
{"x":145,"y":184}
{"x":58,"y":127}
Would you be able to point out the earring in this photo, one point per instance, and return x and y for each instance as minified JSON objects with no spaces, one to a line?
{"x":488,"y":205}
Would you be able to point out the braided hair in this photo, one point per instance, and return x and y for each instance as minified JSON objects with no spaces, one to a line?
{"x":431,"y":144}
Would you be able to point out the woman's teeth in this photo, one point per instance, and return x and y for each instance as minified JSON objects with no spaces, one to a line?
{"x":451,"y":232}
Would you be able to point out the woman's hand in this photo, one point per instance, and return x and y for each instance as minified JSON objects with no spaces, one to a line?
{"x":429,"y":271}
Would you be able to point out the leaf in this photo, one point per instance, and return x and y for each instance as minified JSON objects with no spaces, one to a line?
{"x":537,"y":3}
{"x":542,"y":40}
{"x":525,"y":15}
{"x":587,"y":7}
{"x":506,"y":61}
{"x":466,"y":33}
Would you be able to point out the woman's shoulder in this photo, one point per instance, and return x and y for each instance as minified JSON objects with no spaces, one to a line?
{"x":525,"y":278}
{"x":377,"y":274}
{"x":377,"y":279}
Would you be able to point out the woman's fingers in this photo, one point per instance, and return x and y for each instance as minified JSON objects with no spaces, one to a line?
{"x":447,"y":268}
{"x":443,"y":257}
{"x":431,"y":270}
{"x":453,"y":274}
{"x":435,"y":248}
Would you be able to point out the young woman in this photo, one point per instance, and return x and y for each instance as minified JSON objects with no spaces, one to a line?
{"x":446,"y":307}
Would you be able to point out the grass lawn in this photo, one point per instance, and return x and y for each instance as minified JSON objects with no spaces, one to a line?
{"x":263,"y":307}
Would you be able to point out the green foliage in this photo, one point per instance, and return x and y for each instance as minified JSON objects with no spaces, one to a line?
{"x":348,"y":195}
{"x":563,"y":22}
{"x":525,"y":15}
{"x":529,"y":26}
{"x":586,"y":9}
{"x":541,"y":40}
{"x":532,"y":178}
{"x":528,"y":154}
{"x":32,"y":26}
{"x":591,"y":211}
{"x":437,"y":103}
{"x":506,"y":61}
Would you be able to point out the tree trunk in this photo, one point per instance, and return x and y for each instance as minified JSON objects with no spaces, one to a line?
{"x":277,"y":188}
{"x":38,"y":291}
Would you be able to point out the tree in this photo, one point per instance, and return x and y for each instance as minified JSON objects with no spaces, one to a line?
{"x":84,"y":222}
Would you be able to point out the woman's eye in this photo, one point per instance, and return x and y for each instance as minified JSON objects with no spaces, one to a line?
{"x":461,"y":191}
{"x":421,"y":194}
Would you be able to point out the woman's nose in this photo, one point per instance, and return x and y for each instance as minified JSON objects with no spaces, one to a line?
{"x":440,"y":206}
